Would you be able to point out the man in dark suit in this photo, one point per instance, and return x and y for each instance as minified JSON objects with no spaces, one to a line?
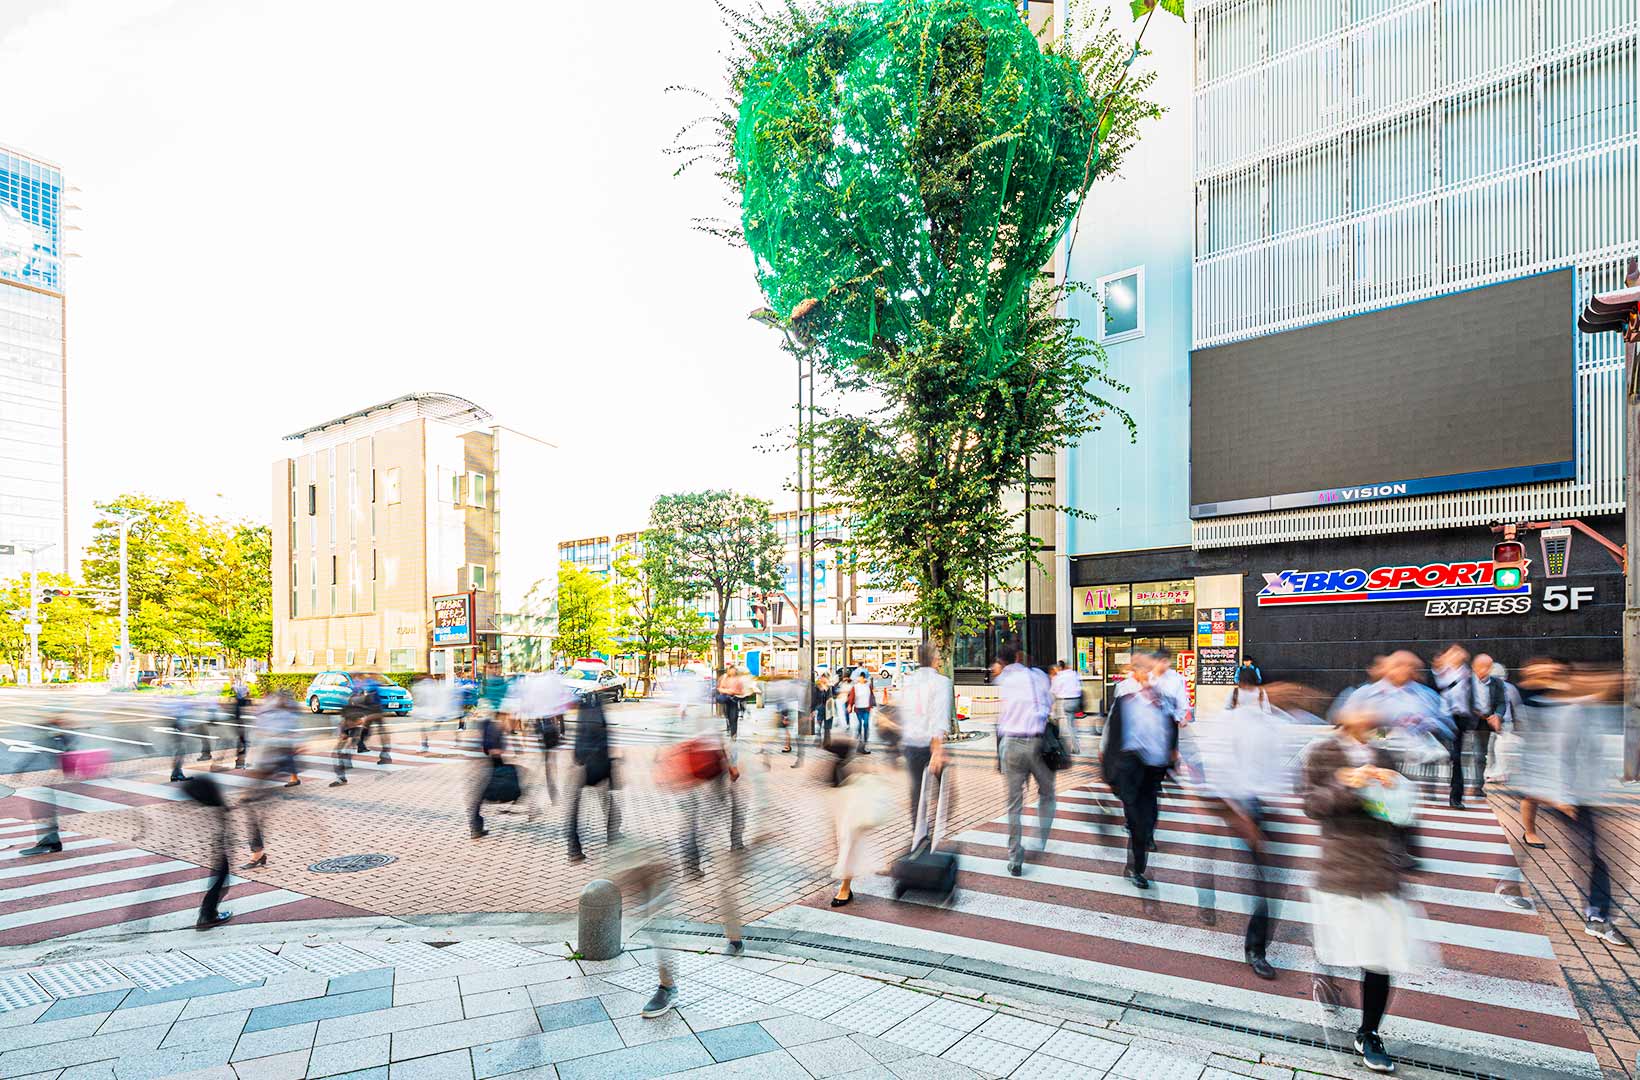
{"x":1484,"y":698}
{"x":1141,"y":743}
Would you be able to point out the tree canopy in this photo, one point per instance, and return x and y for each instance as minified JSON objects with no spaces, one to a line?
{"x":720,"y":544}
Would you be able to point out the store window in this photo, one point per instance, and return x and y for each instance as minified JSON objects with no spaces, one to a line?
{"x":1157,"y":601}
{"x":1101,"y":603}
{"x":478,"y":489}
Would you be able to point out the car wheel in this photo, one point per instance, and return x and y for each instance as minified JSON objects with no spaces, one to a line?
{"x":314,"y":706}
{"x":620,"y":694}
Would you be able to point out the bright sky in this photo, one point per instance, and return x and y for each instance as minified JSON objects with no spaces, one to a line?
{"x":294,"y":209}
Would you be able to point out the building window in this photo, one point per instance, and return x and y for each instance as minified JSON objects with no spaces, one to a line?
{"x":313,"y":499}
{"x":477,"y":577}
{"x":478,"y":489}
{"x":333,"y":569}
{"x":1122,"y":298}
{"x":350,"y":656}
{"x":370,"y":657}
{"x":392,"y":486}
{"x":401,"y":659}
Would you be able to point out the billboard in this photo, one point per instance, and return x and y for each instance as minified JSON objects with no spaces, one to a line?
{"x":1466,"y":391}
{"x":453,"y":620}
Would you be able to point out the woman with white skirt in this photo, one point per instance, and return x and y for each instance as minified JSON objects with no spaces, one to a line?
{"x":1361,"y":920}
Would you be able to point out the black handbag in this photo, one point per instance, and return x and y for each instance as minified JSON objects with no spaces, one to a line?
{"x":503,"y":784}
{"x":1054,"y":754}
{"x":552,"y":732}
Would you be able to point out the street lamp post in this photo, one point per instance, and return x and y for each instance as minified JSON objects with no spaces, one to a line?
{"x":33,"y":627}
{"x":126,"y":518}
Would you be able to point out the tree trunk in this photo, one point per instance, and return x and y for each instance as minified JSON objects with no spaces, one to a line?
{"x":722,"y":618}
{"x":944,"y":638}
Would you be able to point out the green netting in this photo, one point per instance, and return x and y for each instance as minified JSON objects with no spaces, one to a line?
{"x":910,"y":164}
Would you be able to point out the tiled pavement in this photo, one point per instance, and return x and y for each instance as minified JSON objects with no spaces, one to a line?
{"x":406,"y":1009}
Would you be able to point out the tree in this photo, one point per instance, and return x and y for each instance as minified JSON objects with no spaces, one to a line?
{"x":77,"y":631}
{"x":657,"y":616}
{"x":904,"y":171}
{"x":719,"y":544}
{"x":586,"y":615}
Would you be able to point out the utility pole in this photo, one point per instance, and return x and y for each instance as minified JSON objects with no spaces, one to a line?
{"x":126,"y":518}
{"x":33,"y":627}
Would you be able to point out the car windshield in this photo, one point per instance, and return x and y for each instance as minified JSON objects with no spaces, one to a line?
{"x":581,"y":673}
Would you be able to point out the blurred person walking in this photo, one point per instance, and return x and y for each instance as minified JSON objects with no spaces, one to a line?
{"x":349,"y":732}
{"x":861,"y":699}
{"x":204,"y":790}
{"x":595,"y":768}
{"x":1141,"y":746}
{"x":371,"y":702}
{"x":1475,"y":699}
{"x":925,"y":720}
{"x":1023,"y":717}
{"x":1350,"y":787}
{"x":861,"y":800}
{"x":277,"y":736}
{"x":58,"y":744}
{"x":820,"y":707}
{"x":1066,"y":687}
{"x":239,"y":714}
{"x":731,"y":692}
{"x":183,"y":722}
{"x":492,"y":741}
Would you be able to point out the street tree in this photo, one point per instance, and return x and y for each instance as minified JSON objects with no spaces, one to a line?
{"x":904,"y":171}
{"x":719,"y":544}
{"x":657,"y":614}
{"x":586,"y":612}
{"x":77,"y":631}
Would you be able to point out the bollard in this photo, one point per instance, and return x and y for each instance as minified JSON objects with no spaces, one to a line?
{"x":598,"y":933}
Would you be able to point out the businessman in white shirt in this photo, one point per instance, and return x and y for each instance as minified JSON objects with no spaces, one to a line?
{"x":1066,"y":687}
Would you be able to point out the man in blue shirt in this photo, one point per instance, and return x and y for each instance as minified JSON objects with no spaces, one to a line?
{"x":1141,"y":744}
{"x":1020,"y":724}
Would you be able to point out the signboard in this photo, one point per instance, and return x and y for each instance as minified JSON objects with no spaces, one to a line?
{"x":1186,"y":663}
{"x":453,"y":620}
{"x":1431,"y":581}
{"x":1100,"y":603}
{"x":1218,"y":627}
{"x":1217,"y":666}
{"x":1164,"y":593}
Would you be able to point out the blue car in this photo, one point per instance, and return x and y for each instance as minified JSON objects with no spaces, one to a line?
{"x":329,"y":691}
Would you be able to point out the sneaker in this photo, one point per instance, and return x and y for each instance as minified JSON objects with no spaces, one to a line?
{"x":1371,"y":1049}
{"x":1606,"y":932}
{"x":734,"y":948}
{"x":384,"y":760}
{"x":664,"y":998}
{"x":338,"y":782}
{"x":206,"y":924}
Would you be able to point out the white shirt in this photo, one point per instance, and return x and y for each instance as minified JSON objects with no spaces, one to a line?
{"x":1020,"y":716}
{"x":925,"y":707}
{"x":1456,"y":694}
{"x":1144,"y":724}
{"x":1067,"y":684}
{"x":1171,"y":685}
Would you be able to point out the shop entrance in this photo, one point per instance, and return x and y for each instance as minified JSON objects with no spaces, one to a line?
{"x":1103,"y":659}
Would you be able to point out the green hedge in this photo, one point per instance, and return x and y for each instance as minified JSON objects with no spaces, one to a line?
{"x":296,"y":682}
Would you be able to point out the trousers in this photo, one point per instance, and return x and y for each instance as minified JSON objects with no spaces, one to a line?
{"x":1022,"y":758}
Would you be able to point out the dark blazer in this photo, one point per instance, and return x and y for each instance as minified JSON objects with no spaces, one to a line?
{"x":592,"y":742}
{"x":1117,"y":764}
{"x":1357,"y":850}
{"x":1491,"y":700}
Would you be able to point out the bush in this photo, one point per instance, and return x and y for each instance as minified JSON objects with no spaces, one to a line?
{"x":296,"y":682}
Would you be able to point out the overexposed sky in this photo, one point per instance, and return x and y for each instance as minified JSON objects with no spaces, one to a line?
{"x":295,"y":209}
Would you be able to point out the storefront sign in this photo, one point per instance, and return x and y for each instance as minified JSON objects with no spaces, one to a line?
{"x":1101,"y":603}
{"x":1480,"y":605}
{"x":1218,"y":626}
{"x":1431,"y":581}
{"x":1186,"y":663}
{"x":1217,"y":666}
{"x":453,"y":620}
{"x":1164,"y":593}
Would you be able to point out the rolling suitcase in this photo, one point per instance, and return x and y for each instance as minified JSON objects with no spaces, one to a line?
{"x":926,"y":869}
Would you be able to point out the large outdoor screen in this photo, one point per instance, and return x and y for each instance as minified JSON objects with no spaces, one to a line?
{"x":1466,"y":391}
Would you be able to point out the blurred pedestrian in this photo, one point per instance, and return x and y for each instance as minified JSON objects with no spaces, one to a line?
{"x":1361,"y":922}
{"x":1141,"y":746}
{"x":277,"y":736}
{"x":183,"y":723}
{"x":239,"y":715}
{"x":596,"y":768}
{"x":204,"y":790}
{"x":350,"y":723}
{"x":1066,"y":686}
{"x":370,"y":689}
{"x":820,"y":708}
{"x":862,"y":698}
{"x":1169,"y":682}
{"x":58,"y":743}
{"x":925,"y":720}
{"x":492,"y":741}
{"x":1023,"y":717}
{"x":862,"y":799}
{"x":731,"y":693}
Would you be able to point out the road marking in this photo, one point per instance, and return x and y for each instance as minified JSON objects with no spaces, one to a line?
{"x":36,"y":916}
{"x":77,"y":733}
{"x":34,"y":868}
{"x":138,"y":787}
{"x":69,"y":800}
{"x":107,"y":877}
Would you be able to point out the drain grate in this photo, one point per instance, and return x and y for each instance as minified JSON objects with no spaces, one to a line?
{"x":351,"y":864}
{"x":1120,"y":1003}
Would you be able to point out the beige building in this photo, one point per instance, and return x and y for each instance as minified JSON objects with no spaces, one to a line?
{"x":377,"y":513}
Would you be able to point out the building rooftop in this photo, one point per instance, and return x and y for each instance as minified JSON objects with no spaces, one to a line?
{"x":432,"y":403}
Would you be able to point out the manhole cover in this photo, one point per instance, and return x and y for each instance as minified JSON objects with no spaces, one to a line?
{"x":350,"y":864}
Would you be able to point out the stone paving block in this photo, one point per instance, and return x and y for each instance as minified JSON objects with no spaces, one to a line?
{"x":18,"y":991}
{"x":244,"y":964}
{"x":580,"y":986}
{"x":546,"y":1048}
{"x":1040,"y":1066}
{"x":340,"y":1058}
{"x":774,"y":1065}
{"x":490,"y":1002}
{"x":1088,"y":1050}
{"x":501,"y":978}
{"x":100,"y":1070}
{"x":166,"y":1063}
{"x":406,"y":956}
{"x":801,"y":974}
{"x":281,"y":1040}
{"x":222,"y":1029}
{"x":566,"y":1014}
{"x":725,"y":1010}
{"x":1159,"y":1061}
{"x":954,"y":1014}
{"x":25,"y":1015}
{"x":1220,"y":1064}
{"x":1020,"y":1032}
{"x":494,"y":952}
{"x":598,"y":967}
{"x":68,"y":1008}
{"x":742,"y":1040}
{"x":377,"y":1073}
{"x":144,"y":1016}
{"x":987,"y":1055}
{"x":923,"y":1036}
{"x":79,"y":977}
{"x":414,"y":993}
{"x":451,"y":1065}
{"x":210,"y":984}
{"x":796,"y":1029}
{"x":847,"y":985}
{"x":156,"y":971}
{"x":360,"y":980}
{"x":927,"y":1067}
{"x":330,"y":958}
{"x":832,"y":1057}
{"x":638,"y":1062}
{"x":636,"y":1030}
{"x":75,"y":1027}
{"x":388,"y":1021}
{"x":622,"y":1003}
{"x":814,"y":1004}
{"x":320,"y":1008}
{"x":288,"y":1066}
{"x":881,"y":1050}
{"x":274,"y":993}
{"x":422,"y":1041}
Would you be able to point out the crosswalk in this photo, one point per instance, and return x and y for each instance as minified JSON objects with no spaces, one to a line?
{"x":1496,"y":993}
{"x":108,"y":886}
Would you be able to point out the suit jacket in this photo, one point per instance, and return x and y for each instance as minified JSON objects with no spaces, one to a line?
{"x":1117,"y":764}
{"x":1491,"y":699}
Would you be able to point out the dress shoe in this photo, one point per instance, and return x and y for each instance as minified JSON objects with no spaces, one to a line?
{"x":1261,"y":967}
{"x":206,"y":924}
{"x":48,"y":848}
{"x":1138,"y":881}
{"x":260,"y":860}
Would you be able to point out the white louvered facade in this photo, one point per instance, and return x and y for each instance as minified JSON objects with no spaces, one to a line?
{"x":1351,"y":155}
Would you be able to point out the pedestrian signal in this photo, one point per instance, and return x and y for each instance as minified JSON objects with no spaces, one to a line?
{"x":1508,"y":564}
{"x":1557,"y":551}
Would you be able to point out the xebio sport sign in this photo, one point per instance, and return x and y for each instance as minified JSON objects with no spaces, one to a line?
{"x":1455,"y":588}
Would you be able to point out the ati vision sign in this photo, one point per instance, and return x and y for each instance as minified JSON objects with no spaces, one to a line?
{"x":1448,"y":588}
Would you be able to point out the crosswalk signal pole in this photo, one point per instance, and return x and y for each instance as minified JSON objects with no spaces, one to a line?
{"x":126,"y":518}
{"x":33,"y":626}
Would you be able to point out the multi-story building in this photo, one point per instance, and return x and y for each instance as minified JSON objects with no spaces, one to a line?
{"x":33,"y":364}
{"x":413,"y":535}
{"x":1352,"y":338}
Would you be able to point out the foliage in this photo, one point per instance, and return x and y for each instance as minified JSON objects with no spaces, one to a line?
{"x":586,"y":612}
{"x":719,"y":544}
{"x":656,"y":612}
{"x":904,"y":170}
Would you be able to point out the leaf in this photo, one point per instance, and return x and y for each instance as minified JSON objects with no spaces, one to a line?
{"x":1142,"y":8}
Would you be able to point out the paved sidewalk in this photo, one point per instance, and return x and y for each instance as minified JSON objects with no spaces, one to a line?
{"x":434,"y":1004}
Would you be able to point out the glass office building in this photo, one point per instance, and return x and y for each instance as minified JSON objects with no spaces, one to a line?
{"x":33,"y":434}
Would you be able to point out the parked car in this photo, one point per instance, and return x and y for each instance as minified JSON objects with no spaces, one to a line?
{"x":606,"y":685}
{"x":329,"y":691}
{"x":147,"y":678}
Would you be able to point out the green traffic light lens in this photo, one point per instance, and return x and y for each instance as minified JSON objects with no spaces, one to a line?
{"x":1506,"y":577}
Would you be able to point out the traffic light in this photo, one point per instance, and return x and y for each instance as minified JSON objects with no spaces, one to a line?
{"x":1508,"y":564}
{"x":47,"y":595}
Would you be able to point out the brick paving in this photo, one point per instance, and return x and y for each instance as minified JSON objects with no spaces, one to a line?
{"x":1604,"y":981}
